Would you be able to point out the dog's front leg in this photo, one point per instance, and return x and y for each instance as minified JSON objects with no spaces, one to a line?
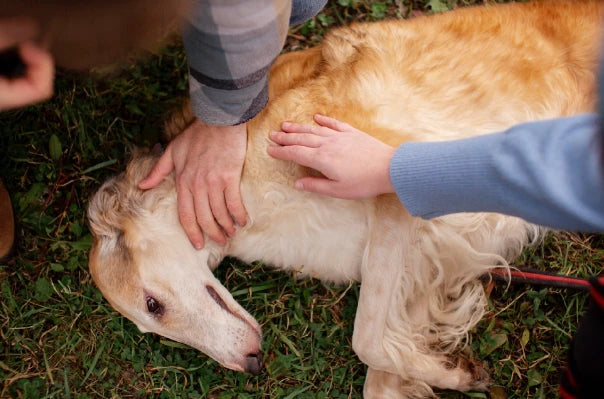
{"x":380,"y":273}
{"x":384,"y":385}
{"x":387,"y":328}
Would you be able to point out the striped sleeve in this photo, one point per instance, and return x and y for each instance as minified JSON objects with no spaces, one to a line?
{"x":230,"y":46}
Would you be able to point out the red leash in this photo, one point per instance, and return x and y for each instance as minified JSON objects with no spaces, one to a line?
{"x":523,"y":275}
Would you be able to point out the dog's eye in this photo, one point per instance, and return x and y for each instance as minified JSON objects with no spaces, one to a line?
{"x":153,"y":306}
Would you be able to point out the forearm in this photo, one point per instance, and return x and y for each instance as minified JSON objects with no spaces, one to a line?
{"x":550,"y":173}
{"x":230,"y":47}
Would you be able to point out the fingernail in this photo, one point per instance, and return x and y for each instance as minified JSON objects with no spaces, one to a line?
{"x":299,"y":186}
{"x":286,"y":124}
{"x":198,"y":245}
{"x":273,"y":133}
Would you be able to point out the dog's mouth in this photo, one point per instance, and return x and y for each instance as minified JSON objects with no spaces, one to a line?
{"x":252,"y":364}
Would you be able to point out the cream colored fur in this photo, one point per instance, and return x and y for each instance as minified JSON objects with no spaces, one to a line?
{"x":463,"y":73}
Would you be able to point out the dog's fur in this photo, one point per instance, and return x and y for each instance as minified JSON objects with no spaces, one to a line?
{"x":463,"y":73}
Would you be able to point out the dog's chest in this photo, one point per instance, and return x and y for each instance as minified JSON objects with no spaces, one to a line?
{"x":318,"y":236}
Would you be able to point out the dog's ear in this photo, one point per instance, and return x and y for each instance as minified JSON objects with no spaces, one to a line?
{"x":141,"y":162}
{"x":105,"y":213}
{"x":119,"y":199}
{"x":110,"y":259}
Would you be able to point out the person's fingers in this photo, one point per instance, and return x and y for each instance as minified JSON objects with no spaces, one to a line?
{"x":318,"y":185}
{"x":162,"y":168}
{"x":307,"y":140}
{"x":205,"y":218}
{"x":232,"y":196}
{"x":17,"y":30}
{"x":35,"y":86}
{"x":331,"y":123}
{"x":218,"y":206}
{"x":292,"y":127}
{"x":301,"y":155}
{"x":186,"y":214}
{"x":40,"y":69}
{"x":16,"y":93}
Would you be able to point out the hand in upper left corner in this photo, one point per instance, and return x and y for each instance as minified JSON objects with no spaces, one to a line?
{"x":37,"y":83}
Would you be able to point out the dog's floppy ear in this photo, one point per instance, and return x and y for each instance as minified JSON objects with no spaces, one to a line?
{"x":109,"y":255}
{"x":105,"y":215}
{"x":119,"y":201}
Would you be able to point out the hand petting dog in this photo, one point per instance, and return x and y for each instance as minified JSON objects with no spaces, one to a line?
{"x":207,"y":161}
{"x":355,"y":165}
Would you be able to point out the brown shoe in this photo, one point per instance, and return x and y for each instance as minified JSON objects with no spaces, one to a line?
{"x":7,"y":222}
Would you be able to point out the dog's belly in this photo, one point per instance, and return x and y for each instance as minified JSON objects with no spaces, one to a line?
{"x":318,"y":237}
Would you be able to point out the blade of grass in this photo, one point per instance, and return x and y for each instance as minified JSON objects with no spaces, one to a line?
{"x":94,"y":361}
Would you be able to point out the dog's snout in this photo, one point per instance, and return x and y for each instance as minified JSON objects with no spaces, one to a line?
{"x":237,"y":314}
{"x":253,"y":363}
{"x":217,"y":298}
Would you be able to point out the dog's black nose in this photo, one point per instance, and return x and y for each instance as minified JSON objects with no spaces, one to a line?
{"x":253,"y":363}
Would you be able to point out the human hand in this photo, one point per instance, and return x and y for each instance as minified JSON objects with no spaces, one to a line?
{"x":355,"y":165}
{"x":37,"y":83}
{"x":207,"y":161}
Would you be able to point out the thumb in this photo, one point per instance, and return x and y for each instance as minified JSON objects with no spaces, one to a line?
{"x":317,"y":185}
{"x":161,"y":169}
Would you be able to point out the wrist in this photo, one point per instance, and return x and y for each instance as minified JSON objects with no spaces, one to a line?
{"x":200,"y":125}
{"x":386,"y":186}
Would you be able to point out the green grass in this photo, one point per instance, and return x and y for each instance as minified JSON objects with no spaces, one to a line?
{"x":59,"y":337}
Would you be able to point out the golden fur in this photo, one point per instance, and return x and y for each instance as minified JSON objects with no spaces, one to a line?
{"x":464,"y":73}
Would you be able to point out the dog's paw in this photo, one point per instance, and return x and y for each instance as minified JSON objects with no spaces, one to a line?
{"x":476,"y":377}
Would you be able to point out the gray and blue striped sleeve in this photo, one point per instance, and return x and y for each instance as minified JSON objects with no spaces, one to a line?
{"x":230,"y":46}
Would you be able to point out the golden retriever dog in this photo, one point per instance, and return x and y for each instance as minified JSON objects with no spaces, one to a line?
{"x":463,"y":73}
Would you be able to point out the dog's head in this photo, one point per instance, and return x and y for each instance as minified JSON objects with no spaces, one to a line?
{"x":144,"y":265}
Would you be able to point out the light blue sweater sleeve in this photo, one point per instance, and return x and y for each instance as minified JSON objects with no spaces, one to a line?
{"x":547,"y":172}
